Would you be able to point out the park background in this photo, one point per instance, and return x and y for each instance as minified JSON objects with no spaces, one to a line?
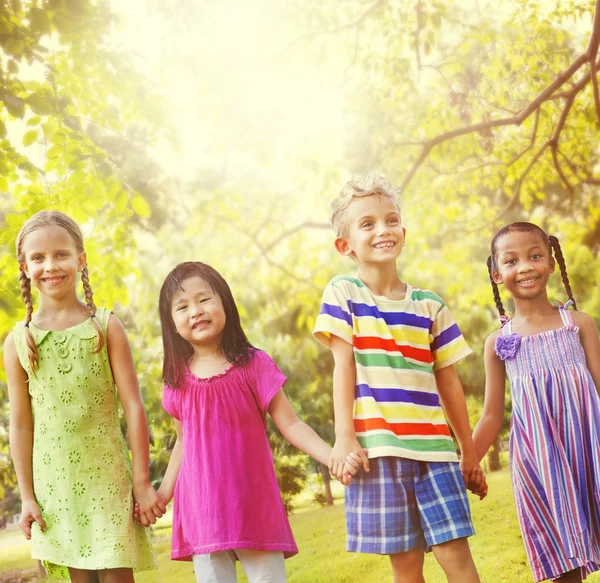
{"x":219,"y":131}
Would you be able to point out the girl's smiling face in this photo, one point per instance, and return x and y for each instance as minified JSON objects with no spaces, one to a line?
{"x":523,"y":263}
{"x":51,"y":260}
{"x":198,"y":313}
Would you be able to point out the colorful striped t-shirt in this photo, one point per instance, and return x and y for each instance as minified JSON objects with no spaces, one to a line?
{"x":397,"y":346}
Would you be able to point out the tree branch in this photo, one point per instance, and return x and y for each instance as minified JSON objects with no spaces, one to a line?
{"x":517,"y":120}
{"x":356,"y":23}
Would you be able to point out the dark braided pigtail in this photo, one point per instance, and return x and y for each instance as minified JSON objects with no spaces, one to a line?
{"x":32,"y":352}
{"x":563,"y":268}
{"x":497,"y":300}
{"x":89,"y":300}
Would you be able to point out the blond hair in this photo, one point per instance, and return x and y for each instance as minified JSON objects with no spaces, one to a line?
{"x":39,"y":221}
{"x":358,"y":187}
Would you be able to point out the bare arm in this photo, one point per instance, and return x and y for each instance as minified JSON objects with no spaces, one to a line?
{"x":591,"y":344}
{"x":297,"y":432}
{"x":452,"y":397}
{"x":344,"y":386}
{"x":21,"y":435}
{"x":167,"y":488}
{"x":125,"y":377}
{"x":489,"y":425}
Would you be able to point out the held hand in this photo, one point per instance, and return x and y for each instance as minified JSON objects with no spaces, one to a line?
{"x":353,"y":464}
{"x":30,"y":513}
{"x":150,"y":505}
{"x":341,"y":459}
{"x":473,"y":475}
{"x":477,"y":483}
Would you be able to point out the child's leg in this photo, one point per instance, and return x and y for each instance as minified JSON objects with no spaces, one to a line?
{"x":83,"y":575}
{"x":408,"y":567}
{"x":262,"y":566}
{"x":124,"y":575}
{"x":446,"y":519}
{"x":215,"y":567}
{"x":455,"y":559}
{"x":571,"y":577}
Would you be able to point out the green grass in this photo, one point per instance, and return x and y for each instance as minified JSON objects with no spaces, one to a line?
{"x":320,"y":533}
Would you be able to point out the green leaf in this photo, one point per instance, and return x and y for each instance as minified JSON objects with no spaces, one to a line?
{"x":40,"y":104}
{"x":3,"y":184}
{"x":140,"y":206}
{"x":30,"y":137}
{"x":39,"y":20}
{"x":2,"y":129}
{"x":15,"y":105}
{"x":33,"y":121}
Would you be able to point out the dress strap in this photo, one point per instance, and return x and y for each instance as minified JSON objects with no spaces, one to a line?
{"x":566,"y":316}
{"x":507,"y":328}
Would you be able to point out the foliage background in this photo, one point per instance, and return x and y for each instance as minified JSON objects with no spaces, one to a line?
{"x":220,"y":131}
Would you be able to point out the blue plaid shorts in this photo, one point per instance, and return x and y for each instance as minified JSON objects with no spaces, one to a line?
{"x":403,"y":504}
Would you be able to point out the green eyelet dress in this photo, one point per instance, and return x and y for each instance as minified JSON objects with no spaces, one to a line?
{"x":81,"y":465}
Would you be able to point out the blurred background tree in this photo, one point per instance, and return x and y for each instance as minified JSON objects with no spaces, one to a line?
{"x":220,"y":131}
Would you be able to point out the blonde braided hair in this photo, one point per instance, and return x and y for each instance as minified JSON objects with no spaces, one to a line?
{"x":39,"y":221}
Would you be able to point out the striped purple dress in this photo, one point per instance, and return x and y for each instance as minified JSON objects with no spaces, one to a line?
{"x":554,"y":449}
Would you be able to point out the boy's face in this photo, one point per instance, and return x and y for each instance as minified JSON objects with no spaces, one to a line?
{"x":375,"y":234}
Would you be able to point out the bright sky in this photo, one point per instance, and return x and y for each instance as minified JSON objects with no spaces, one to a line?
{"x":235,"y":86}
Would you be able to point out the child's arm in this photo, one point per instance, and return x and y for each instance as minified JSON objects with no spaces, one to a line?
{"x":452,"y":398}
{"x":21,"y":436}
{"x":298,"y":433}
{"x":167,"y":487}
{"x":344,"y":383}
{"x":591,"y":344}
{"x":121,"y":362}
{"x":489,"y":425}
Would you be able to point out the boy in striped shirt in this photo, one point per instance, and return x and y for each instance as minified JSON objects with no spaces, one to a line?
{"x":394,"y":346}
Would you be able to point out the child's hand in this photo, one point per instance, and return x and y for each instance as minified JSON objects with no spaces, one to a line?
{"x":150,"y":505}
{"x":352,"y":466}
{"x":477,"y":483}
{"x":30,"y":513}
{"x":473,"y":475}
{"x":341,"y":460}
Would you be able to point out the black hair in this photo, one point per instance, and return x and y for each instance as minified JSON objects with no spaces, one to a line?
{"x":551,"y":243}
{"x":235,"y":347}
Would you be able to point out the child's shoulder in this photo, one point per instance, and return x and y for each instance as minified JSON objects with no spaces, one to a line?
{"x":419,"y":294}
{"x":342,"y":281}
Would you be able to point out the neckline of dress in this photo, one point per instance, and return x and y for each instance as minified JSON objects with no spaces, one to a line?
{"x":88,"y":319}
{"x":198,"y":379}
{"x":567,"y":327}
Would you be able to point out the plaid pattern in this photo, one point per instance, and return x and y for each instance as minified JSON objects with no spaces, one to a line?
{"x":403,"y":504}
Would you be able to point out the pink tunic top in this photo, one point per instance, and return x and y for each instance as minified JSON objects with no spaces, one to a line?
{"x":227,"y":496}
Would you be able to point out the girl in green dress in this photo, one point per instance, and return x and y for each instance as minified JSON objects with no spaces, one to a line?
{"x":76,"y":480}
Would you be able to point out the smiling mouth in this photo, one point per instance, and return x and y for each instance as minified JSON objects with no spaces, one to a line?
{"x":200,"y":324}
{"x":53,"y":280}
{"x":526,"y":281}
{"x":385,"y":245}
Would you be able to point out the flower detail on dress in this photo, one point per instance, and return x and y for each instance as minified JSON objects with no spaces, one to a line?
{"x":507,"y":346}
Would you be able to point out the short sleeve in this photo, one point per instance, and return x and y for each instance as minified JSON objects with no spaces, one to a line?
{"x":265,"y":378}
{"x":334,"y":316}
{"x":170,"y":402}
{"x":447,"y":343}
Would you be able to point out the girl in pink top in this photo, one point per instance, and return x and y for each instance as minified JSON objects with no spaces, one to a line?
{"x":218,"y":389}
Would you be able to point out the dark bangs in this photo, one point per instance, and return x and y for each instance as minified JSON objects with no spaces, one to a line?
{"x":235,"y":347}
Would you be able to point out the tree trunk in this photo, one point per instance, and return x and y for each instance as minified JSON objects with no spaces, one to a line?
{"x":494,"y":456}
{"x":326,"y":483}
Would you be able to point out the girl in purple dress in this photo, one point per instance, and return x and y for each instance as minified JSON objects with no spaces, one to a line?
{"x":218,"y":389}
{"x":552,"y":359}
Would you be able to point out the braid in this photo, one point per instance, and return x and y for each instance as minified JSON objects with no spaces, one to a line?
{"x":497,"y":300}
{"x":32,"y":351}
{"x":89,"y":300}
{"x":563,"y":268}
